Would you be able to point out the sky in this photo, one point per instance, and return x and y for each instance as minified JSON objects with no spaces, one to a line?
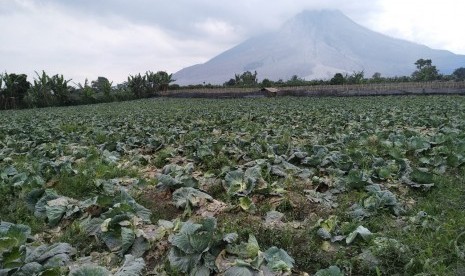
{"x":114,"y":38}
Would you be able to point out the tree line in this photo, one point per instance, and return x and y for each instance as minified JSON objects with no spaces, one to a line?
{"x":425,"y":72}
{"x":45,"y":90}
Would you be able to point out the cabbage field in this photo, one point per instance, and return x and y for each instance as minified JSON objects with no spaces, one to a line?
{"x":269,"y":186}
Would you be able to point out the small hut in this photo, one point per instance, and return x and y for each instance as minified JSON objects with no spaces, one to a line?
{"x":270,"y":92}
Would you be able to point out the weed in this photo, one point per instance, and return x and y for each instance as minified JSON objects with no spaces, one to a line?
{"x":14,"y":209}
{"x":75,"y":235}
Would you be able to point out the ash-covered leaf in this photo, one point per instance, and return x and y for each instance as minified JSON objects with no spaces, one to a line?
{"x":357,"y":179}
{"x":132,"y":266}
{"x":244,"y":250}
{"x":187,"y":196}
{"x":235,"y":184}
{"x":278,"y":260}
{"x":127,"y":239}
{"x":138,"y":209}
{"x":273,"y":217}
{"x":361,"y":231}
{"x":90,"y":270}
{"x":40,"y":209}
{"x":330,"y":271}
{"x":230,"y":237}
{"x":238,"y":271}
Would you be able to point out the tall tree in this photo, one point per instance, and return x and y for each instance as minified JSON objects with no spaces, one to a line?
{"x":87,"y":92}
{"x":159,"y":81}
{"x":40,"y":94}
{"x":138,"y":85}
{"x":230,"y":82}
{"x":15,"y":86}
{"x":377,"y":78}
{"x":356,"y":78}
{"x":459,"y":74}
{"x":60,"y":89}
{"x":165,"y":80}
{"x":295,"y":81}
{"x":337,"y":79}
{"x":426,"y":71}
{"x":267,"y":83}
{"x":246,"y":79}
{"x":102,"y":85}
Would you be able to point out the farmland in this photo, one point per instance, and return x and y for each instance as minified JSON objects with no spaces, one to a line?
{"x":332,"y":186}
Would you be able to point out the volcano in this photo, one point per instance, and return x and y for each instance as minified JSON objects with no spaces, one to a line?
{"x":316,"y":45}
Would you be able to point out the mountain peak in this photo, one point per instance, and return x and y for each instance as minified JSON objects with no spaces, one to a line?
{"x":323,"y":13}
{"x":322,"y":19}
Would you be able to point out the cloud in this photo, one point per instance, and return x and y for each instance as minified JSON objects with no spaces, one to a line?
{"x":217,"y":28}
{"x":114,"y":38}
{"x":46,"y":37}
{"x":436,"y":24}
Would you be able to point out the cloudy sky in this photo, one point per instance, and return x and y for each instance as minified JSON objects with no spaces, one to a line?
{"x":114,"y":38}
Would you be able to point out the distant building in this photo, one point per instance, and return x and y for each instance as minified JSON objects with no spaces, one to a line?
{"x":270,"y":92}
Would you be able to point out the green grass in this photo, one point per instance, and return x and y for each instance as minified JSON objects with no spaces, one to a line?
{"x":82,"y":184}
{"x":15,"y":210}
{"x":433,"y":249}
{"x":74,"y":234}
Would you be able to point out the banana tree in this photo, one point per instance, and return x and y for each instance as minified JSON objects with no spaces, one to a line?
{"x":159,"y":81}
{"x":60,"y":89}
{"x":138,"y":85}
{"x":40,"y":93}
{"x":164,"y":80}
{"x":88,"y":93}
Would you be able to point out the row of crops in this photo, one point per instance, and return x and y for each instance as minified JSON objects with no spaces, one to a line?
{"x":280,"y":186}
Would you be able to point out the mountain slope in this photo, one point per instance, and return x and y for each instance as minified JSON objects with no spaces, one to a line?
{"x":314,"y":45}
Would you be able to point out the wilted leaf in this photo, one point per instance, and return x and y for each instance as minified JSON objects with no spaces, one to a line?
{"x":330,"y":271}
{"x":127,"y":239}
{"x":90,"y":270}
{"x":230,"y":237}
{"x":239,"y":271}
{"x":54,"y":214}
{"x":235,"y":184}
{"x":182,"y":261}
{"x":247,"y":204}
{"x":357,"y":179}
{"x":360,"y":231}
{"x":187,"y":196}
{"x":139,"y":247}
{"x":273,"y":217}
{"x":43,"y":253}
{"x":29,"y":269}
{"x":247,"y":250}
{"x":278,"y":259}
{"x":131,"y":267}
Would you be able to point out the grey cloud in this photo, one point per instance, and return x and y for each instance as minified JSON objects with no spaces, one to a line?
{"x":87,"y":38}
{"x":179,"y":17}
